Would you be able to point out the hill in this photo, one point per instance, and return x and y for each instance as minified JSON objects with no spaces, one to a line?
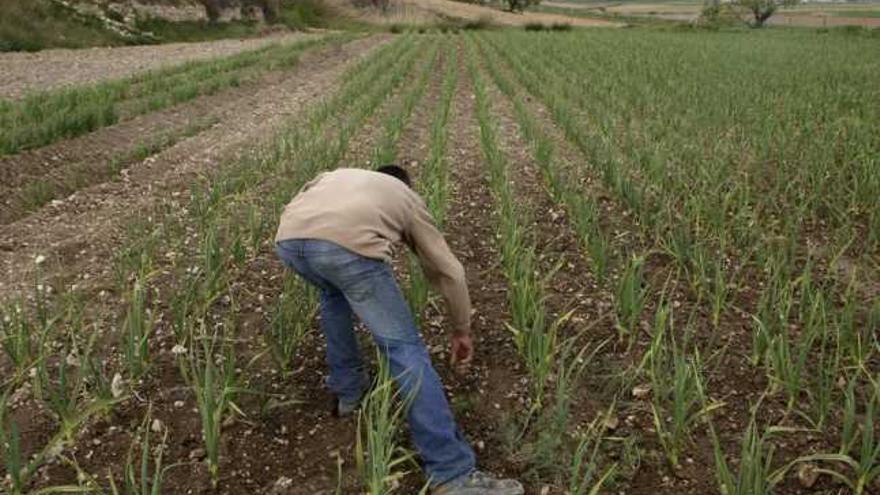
{"x":30,"y":25}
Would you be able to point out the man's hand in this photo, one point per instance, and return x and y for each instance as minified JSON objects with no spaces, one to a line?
{"x":462,"y":349}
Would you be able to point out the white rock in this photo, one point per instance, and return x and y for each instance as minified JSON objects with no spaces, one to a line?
{"x":282,"y":485}
{"x":117,"y":386}
{"x":807,"y":474}
{"x":641,"y":391}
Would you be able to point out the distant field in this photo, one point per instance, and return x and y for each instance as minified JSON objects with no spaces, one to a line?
{"x":811,"y":14}
{"x":857,"y":13}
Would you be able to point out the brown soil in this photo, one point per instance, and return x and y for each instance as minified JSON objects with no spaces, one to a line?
{"x":24,"y":73}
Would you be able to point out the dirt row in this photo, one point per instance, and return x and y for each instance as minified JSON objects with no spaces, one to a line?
{"x":23,"y":73}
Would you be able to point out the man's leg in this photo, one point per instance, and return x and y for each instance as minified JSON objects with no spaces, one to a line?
{"x":347,"y":379}
{"x":375,"y":297}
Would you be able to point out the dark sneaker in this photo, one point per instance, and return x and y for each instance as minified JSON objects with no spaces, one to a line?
{"x":479,"y":483}
{"x":345,"y":409}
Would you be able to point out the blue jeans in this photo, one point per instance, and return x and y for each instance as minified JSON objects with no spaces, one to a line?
{"x":351,"y":283}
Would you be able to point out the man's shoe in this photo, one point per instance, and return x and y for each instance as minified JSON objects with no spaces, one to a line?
{"x":345,"y":409}
{"x":479,"y":483}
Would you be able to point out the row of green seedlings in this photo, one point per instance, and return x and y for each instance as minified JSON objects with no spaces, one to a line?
{"x":563,"y":186}
{"x":433,"y":181}
{"x":382,"y":461}
{"x":44,"y":118}
{"x":215,"y":386}
{"x":859,"y":343}
{"x":565,"y":360}
{"x":787,"y":357}
{"x":680,"y":403}
{"x":37,"y":191}
{"x":55,"y":353}
{"x":808,"y":344}
{"x":798,"y":325}
{"x":143,"y":472}
{"x":538,"y":342}
{"x":535,"y":337}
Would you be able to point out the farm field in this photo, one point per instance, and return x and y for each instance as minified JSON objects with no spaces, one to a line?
{"x":672,"y":242}
{"x":804,"y":14}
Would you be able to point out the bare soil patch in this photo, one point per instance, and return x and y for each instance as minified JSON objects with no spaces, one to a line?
{"x":24,"y":73}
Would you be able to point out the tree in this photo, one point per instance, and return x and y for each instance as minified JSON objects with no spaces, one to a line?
{"x":271,"y":9}
{"x":212,"y":8}
{"x":521,"y":5}
{"x":763,"y":9}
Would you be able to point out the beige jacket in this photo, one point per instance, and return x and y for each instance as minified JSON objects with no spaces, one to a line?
{"x":368,"y":212}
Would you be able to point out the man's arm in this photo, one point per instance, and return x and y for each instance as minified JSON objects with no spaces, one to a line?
{"x":441,"y":267}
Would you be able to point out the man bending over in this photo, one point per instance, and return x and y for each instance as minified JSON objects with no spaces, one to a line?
{"x":338,"y":233}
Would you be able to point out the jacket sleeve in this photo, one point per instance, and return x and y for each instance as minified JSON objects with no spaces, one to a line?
{"x":442,"y":269}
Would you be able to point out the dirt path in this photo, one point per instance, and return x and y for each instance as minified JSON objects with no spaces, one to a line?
{"x":24,"y":73}
{"x":468,"y":11}
{"x":78,"y":236}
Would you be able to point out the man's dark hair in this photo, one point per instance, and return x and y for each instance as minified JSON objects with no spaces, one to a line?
{"x":396,"y":171}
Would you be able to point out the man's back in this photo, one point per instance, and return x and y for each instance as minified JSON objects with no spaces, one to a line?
{"x":361,"y":210}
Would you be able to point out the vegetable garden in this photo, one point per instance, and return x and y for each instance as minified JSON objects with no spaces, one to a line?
{"x":672,"y":243}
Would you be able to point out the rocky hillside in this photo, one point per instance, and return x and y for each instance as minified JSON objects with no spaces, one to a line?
{"x":37,"y":24}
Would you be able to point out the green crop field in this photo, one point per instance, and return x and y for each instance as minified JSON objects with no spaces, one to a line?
{"x":672,"y":238}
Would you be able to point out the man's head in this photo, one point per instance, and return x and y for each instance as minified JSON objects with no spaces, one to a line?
{"x":395,"y":171}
